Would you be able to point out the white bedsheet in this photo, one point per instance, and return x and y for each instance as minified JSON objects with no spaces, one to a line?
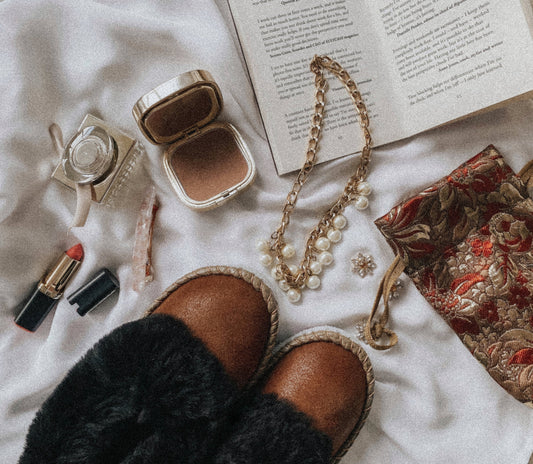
{"x":60,"y":60}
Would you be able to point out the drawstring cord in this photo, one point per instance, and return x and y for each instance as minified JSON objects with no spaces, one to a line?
{"x":374,"y":330}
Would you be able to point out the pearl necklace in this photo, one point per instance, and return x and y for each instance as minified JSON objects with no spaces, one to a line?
{"x":292,"y":278}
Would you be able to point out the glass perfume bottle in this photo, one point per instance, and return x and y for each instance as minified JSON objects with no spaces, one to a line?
{"x":99,"y":155}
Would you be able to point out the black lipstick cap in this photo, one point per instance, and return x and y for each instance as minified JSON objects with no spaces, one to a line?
{"x":90,"y":295}
{"x":35,"y":310}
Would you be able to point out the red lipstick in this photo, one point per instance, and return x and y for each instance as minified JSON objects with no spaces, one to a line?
{"x":75,"y":252}
{"x":50,"y":289}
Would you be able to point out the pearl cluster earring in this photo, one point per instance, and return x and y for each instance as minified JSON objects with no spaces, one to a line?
{"x":363,"y":265}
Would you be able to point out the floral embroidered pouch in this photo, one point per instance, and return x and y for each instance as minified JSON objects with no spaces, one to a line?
{"x":467,"y":244}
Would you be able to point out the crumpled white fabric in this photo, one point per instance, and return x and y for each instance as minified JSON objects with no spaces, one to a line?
{"x":60,"y":60}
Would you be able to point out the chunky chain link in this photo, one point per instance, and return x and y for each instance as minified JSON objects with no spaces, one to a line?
{"x":318,"y":65}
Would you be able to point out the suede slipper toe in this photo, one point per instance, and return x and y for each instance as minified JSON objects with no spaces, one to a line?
{"x":232,"y":311}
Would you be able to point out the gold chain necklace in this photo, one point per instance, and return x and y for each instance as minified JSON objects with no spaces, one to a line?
{"x":292,"y":278}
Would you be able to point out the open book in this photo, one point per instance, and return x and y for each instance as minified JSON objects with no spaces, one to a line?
{"x":417,"y":63}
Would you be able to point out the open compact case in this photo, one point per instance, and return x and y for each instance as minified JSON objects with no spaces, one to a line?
{"x":207,"y":162}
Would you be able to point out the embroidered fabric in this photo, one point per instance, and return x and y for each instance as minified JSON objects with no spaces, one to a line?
{"x":466,"y":243}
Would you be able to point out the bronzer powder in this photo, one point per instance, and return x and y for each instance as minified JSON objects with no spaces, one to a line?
{"x":209,"y":164}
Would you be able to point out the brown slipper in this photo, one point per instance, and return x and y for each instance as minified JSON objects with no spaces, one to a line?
{"x":232,"y":311}
{"x":329,"y":378}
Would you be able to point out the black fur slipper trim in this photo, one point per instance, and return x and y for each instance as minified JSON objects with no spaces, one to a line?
{"x":149,"y":392}
{"x":271,"y":431}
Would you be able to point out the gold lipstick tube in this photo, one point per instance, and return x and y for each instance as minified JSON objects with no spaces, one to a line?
{"x":53,"y":284}
{"x":50,"y":288}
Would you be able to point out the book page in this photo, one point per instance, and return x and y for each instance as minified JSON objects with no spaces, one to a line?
{"x":453,"y":57}
{"x":279,"y":39}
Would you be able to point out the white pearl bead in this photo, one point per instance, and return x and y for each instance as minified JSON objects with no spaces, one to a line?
{"x":288,"y":251}
{"x":334,"y":235}
{"x":313,"y":282}
{"x":294,"y":269}
{"x":294,"y":295}
{"x":263,"y":246}
{"x":316,"y":267}
{"x":266,"y":260}
{"x":339,"y":221}
{"x":322,"y":243}
{"x":364,"y":188}
{"x":284,"y":285}
{"x":325,"y":258}
{"x":276,"y":273}
{"x":361,"y":203}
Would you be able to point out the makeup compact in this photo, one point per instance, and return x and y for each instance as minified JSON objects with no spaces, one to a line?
{"x":207,"y":161}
